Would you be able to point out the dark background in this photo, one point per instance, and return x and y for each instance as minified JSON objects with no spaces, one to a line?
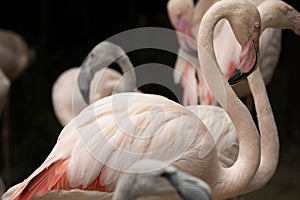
{"x":63,"y":32}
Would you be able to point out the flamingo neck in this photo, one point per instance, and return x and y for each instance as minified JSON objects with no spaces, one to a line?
{"x":129,"y":78}
{"x":249,"y":153}
{"x":268,"y":131}
{"x":279,"y":15}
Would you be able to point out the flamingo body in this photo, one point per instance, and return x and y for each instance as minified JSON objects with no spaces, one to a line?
{"x":72,"y":161}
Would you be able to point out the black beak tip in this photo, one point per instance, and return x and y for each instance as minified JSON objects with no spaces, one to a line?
{"x":236,"y":77}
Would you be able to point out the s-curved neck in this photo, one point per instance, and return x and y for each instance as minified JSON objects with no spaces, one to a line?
{"x":128,"y":83}
{"x":269,"y":135}
{"x":233,"y":180}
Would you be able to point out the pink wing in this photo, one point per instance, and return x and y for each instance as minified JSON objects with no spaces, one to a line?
{"x":108,"y":136}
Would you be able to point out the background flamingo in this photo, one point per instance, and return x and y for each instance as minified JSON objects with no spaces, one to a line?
{"x":66,"y":98}
{"x":61,"y":159}
{"x":15,"y":56}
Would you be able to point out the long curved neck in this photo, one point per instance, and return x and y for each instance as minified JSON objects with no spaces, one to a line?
{"x":268,"y":131}
{"x":129,"y":80}
{"x":249,"y":152}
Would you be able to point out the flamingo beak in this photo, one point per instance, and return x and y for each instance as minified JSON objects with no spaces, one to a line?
{"x":188,"y":187}
{"x":84,"y":81}
{"x":248,"y":63}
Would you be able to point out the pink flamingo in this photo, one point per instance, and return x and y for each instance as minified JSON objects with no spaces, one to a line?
{"x":66,"y":98}
{"x":276,"y":15}
{"x":270,"y":50}
{"x":94,"y":148}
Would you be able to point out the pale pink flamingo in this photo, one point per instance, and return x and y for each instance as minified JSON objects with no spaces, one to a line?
{"x":183,"y":14}
{"x":100,"y":143}
{"x":152,"y":179}
{"x":15,"y":56}
{"x":185,"y":18}
{"x":270,"y":51}
{"x":276,"y":15}
{"x":66,"y":98}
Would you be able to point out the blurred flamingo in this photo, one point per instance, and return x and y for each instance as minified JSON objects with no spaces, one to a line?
{"x":98,"y":145}
{"x":15,"y":56}
{"x":66,"y":98}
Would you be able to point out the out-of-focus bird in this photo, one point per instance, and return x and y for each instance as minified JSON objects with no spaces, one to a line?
{"x":151,"y":179}
{"x":15,"y":56}
{"x":66,"y":97}
{"x":98,"y":145}
{"x":185,"y":18}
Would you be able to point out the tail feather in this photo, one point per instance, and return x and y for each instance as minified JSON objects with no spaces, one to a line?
{"x":47,"y":177}
{"x":42,"y":180}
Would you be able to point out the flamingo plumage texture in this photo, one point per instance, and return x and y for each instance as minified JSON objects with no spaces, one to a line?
{"x":151,"y":179}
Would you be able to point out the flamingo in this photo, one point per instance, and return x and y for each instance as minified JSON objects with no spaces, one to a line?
{"x":270,"y":51}
{"x":182,"y":14}
{"x":66,"y":98}
{"x":98,"y":145}
{"x":277,"y":15}
{"x":15,"y":56}
{"x":151,"y":178}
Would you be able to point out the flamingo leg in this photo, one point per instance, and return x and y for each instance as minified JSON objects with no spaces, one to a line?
{"x":5,"y":141}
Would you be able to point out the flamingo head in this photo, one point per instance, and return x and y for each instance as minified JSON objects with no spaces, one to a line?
{"x":179,"y":10}
{"x":248,"y":57}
